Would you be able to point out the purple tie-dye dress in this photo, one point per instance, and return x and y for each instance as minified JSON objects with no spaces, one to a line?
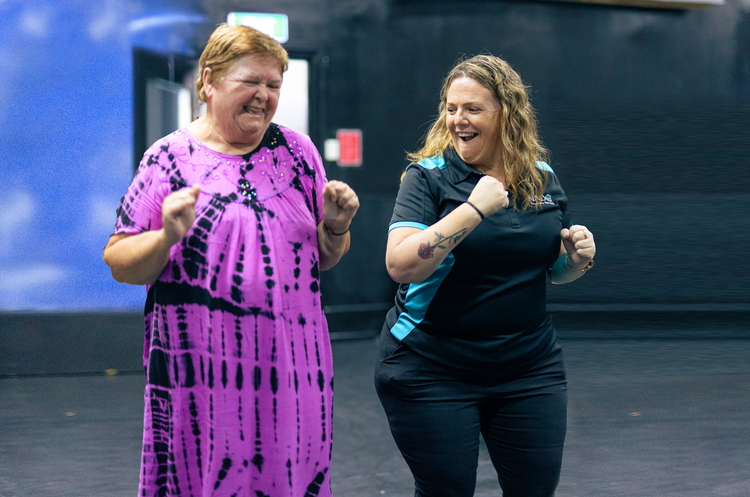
{"x":237,"y":355}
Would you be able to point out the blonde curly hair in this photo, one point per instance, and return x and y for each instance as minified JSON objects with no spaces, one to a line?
{"x":229,"y":43}
{"x":521,"y":146}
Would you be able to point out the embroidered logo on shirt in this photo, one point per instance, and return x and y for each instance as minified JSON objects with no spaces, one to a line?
{"x":546,"y":200}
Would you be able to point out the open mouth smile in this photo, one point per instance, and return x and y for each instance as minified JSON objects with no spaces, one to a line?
{"x":467,"y":136}
{"x":253,"y":110}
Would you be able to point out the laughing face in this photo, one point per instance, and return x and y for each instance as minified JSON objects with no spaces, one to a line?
{"x":245,"y":99}
{"x":472,"y":120}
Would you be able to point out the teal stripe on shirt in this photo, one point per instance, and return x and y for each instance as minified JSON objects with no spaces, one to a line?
{"x":436,"y":161}
{"x":544,"y":166}
{"x":407,"y":224}
{"x":418,"y":299}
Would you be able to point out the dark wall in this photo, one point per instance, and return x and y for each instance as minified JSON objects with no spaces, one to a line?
{"x":645,"y":112}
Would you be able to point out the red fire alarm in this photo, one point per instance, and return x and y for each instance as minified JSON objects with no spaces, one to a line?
{"x":350,"y":147}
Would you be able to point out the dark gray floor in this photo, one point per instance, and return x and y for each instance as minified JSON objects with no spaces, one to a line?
{"x":653,"y":418}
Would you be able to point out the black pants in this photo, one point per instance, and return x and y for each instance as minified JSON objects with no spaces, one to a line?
{"x":436,"y":420}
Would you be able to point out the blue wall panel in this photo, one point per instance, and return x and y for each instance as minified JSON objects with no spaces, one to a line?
{"x":66,"y":143}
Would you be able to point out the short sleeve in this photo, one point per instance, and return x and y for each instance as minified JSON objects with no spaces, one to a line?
{"x":318,"y":174}
{"x":320,"y":181}
{"x":567,"y":220}
{"x":561,"y":198}
{"x":140,"y":208}
{"x":415,"y":205}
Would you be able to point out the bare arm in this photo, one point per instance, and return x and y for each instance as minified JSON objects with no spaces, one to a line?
{"x":412,"y":255}
{"x":340,"y":204}
{"x":139,"y":259}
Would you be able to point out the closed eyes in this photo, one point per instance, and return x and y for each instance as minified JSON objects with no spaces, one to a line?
{"x":272,"y":86}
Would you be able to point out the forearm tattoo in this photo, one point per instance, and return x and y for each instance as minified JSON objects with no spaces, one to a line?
{"x":427,"y":250}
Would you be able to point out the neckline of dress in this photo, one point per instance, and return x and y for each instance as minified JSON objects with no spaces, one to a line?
{"x":243,"y":159}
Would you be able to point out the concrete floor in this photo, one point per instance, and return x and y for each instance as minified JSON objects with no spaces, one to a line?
{"x":651,"y":418}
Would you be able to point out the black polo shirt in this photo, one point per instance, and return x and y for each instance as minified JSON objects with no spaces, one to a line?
{"x":485,"y":304}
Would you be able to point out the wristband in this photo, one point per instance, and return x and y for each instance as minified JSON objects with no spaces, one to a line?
{"x":333,"y":233}
{"x":476,"y":209}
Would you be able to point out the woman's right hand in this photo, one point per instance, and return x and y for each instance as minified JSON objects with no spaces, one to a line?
{"x":413,"y":254}
{"x":489,"y":196}
{"x":139,"y":259}
{"x":178,"y":213}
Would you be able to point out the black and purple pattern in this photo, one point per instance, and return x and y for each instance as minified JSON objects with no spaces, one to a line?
{"x":237,"y":356}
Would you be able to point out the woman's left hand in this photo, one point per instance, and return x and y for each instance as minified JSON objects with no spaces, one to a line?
{"x":340,"y":204}
{"x":578,"y":242}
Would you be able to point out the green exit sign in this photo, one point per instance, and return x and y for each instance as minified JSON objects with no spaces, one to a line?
{"x":274,"y":25}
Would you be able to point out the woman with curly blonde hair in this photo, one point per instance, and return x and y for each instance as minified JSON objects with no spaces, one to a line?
{"x":480,"y":221}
